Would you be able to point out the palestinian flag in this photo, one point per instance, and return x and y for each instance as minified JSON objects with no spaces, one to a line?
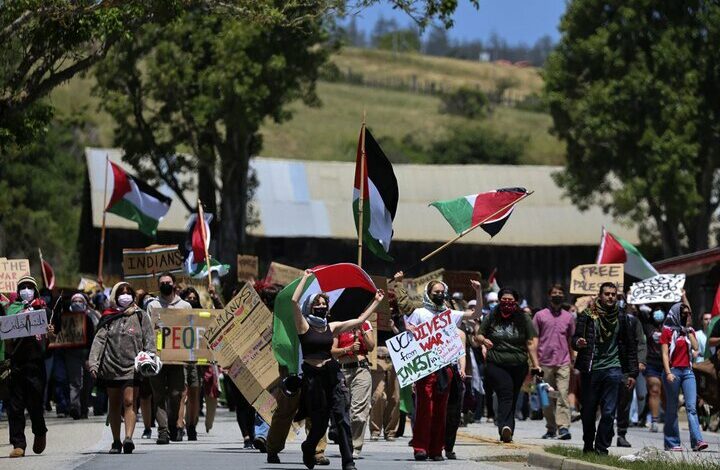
{"x":195,"y":244}
{"x":48,"y":274}
{"x":134,"y":199}
{"x":492,"y":209}
{"x":614,"y":249}
{"x":380,"y":196}
{"x":492,"y":281}
{"x":350,"y":290}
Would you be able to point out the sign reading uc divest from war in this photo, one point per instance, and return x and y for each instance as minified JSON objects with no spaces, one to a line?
{"x":432,"y":346}
{"x":181,"y":336}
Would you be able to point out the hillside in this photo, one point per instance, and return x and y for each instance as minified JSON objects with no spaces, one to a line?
{"x":330,"y":132}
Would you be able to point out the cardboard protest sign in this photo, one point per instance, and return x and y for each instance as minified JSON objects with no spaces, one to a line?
{"x":586,"y":279}
{"x":181,"y":339}
{"x":87,"y":285}
{"x":10,"y":271}
{"x":416,"y":287}
{"x":240,"y":338}
{"x":30,"y":323}
{"x":433,"y":345}
{"x":73,"y":331}
{"x":657,"y":289}
{"x":247,"y":267}
{"x":142,"y":266}
{"x":282,"y":274}
{"x":459,"y":281}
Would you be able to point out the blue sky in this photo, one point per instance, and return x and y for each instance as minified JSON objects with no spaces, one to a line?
{"x":514,"y":20}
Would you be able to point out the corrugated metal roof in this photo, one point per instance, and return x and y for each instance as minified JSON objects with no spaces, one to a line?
{"x":298,"y":198}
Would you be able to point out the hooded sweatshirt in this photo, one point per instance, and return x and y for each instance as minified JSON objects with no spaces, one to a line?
{"x":120,"y":336}
{"x":160,"y":302}
{"x":30,"y":349}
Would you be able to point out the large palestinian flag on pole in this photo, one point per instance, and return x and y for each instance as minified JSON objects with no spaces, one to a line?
{"x":614,"y":249}
{"x":136,"y":200}
{"x":350,"y":290}
{"x":492,"y":209}
{"x":380,"y":196}
{"x":195,"y":263}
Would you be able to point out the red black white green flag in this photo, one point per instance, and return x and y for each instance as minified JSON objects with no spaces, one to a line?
{"x":380,"y":196}
{"x":614,"y":249}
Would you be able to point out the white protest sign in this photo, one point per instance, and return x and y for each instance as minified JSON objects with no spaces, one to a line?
{"x":657,"y":289}
{"x":433,"y":345}
{"x":29,"y":323}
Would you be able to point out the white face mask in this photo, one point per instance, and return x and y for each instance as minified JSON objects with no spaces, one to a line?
{"x":27,"y":294}
{"x":124,"y":300}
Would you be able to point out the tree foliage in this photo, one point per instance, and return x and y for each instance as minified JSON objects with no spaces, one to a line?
{"x":634,"y":90}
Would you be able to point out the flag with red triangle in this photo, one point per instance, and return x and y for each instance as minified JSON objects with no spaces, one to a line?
{"x":614,"y":249}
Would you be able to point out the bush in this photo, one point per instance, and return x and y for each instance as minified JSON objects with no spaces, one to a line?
{"x":533,"y":103}
{"x":465,"y":102}
{"x":473,"y":144}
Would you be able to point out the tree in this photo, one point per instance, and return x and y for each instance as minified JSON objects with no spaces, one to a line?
{"x":437,"y":42}
{"x":206,"y":82}
{"x":633,"y":90}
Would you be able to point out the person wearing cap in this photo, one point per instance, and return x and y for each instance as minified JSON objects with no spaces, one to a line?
{"x":432,"y":391}
{"x":169,"y":384}
{"x":27,"y":372}
{"x":123,"y":332}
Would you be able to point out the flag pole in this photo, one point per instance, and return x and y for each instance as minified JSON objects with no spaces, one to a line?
{"x":201,"y":221}
{"x":102,"y":230}
{"x":42,"y":268}
{"x":465,"y":232}
{"x":361,"y":199}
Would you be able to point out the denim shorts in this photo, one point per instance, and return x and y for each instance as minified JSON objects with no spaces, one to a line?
{"x":652,"y":370}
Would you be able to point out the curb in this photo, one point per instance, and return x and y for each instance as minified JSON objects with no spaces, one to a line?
{"x":558,"y":462}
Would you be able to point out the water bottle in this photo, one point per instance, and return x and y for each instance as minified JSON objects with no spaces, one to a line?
{"x":542,"y":391}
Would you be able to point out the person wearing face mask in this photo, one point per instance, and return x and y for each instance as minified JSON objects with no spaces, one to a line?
{"x":169,"y":384}
{"x":191,"y":396}
{"x":27,"y":373}
{"x":432,"y":391}
{"x":510,"y":339}
{"x":606,"y":349}
{"x":123,"y":332}
{"x":491,"y":302}
{"x":652,"y":318}
{"x":555,"y":328}
{"x":679,"y":349}
{"x":324,"y":390}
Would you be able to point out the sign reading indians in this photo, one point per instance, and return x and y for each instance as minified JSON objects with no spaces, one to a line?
{"x":433,"y":345}
{"x":586,"y":279}
{"x":658,"y":289}
{"x":240,"y":338}
{"x":181,"y":338}
{"x":143,"y":266}
{"x":30,"y":323}
{"x":10,"y":271}
{"x":73,"y":331}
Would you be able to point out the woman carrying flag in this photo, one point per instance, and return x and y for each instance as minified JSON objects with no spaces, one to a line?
{"x":324,"y":389}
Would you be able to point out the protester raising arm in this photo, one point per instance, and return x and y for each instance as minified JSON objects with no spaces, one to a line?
{"x":300,"y":322}
{"x":338,"y":327}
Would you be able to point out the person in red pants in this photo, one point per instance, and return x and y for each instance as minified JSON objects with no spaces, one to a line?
{"x":432,"y":391}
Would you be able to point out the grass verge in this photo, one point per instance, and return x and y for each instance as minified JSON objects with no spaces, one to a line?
{"x":613,"y":461}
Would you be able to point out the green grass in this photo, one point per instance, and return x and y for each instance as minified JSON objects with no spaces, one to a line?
{"x":613,"y":461}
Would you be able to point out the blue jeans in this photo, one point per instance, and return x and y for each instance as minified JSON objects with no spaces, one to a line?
{"x":685,"y":379}
{"x":599,"y":388}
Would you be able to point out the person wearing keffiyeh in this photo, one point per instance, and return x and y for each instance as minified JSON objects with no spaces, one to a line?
{"x":679,"y":346}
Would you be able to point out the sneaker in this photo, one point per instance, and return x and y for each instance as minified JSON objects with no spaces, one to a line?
{"x":259,"y":443}
{"x":147,"y":434}
{"x":622,"y":442}
{"x":674,"y":449}
{"x":273,"y":458}
{"x":549,"y":435}
{"x":349,"y":466}
{"x":17,"y":452}
{"x":179,"y":434}
{"x":39,"y":443}
{"x":247,"y":444}
{"x":450,"y":455}
{"x":390,"y":438}
{"x":564,"y":435}
{"x":356,"y":455}
{"x":163,"y":438}
{"x":116,"y":447}
{"x":128,"y":446}
{"x":654,"y":427}
{"x":701,"y":445}
{"x":320,"y":459}
{"x":375,"y":437}
{"x":506,"y":434}
{"x":438,"y":458}
{"x":191,"y":433}
{"x":421,"y":455}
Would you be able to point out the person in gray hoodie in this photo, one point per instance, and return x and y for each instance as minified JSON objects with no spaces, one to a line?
{"x":123,"y":331}
{"x":169,"y":384}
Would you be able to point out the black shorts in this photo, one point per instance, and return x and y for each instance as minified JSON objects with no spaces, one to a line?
{"x":122,"y":383}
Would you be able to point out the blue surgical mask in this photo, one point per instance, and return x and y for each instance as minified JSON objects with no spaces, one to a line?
{"x":492,"y":305}
{"x":658,"y":316}
{"x":621,"y":304}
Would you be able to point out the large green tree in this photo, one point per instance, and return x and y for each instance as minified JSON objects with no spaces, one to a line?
{"x":634,"y":91}
{"x":204,"y":84}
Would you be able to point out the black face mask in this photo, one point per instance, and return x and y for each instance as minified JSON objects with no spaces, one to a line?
{"x":438,"y":299}
{"x":195,"y":303}
{"x":166,"y":289}
{"x":557,"y":299}
{"x":320,"y":312}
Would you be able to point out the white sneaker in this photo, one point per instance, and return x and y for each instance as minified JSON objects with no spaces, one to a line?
{"x":653,"y":427}
{"x":356,"y":455}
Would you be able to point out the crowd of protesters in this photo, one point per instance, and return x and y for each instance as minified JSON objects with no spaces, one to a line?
{"x":607,"y":364}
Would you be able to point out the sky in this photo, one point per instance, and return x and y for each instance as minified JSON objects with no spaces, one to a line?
{"x":514,"y":20}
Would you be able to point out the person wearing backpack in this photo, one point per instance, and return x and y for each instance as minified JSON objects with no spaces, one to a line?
{"x":123,"y":332}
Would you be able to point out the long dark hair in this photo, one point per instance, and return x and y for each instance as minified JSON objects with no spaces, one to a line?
{"x":517,"y":319}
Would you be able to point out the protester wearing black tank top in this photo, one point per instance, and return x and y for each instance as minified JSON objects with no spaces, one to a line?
{"x":324,"y":389}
